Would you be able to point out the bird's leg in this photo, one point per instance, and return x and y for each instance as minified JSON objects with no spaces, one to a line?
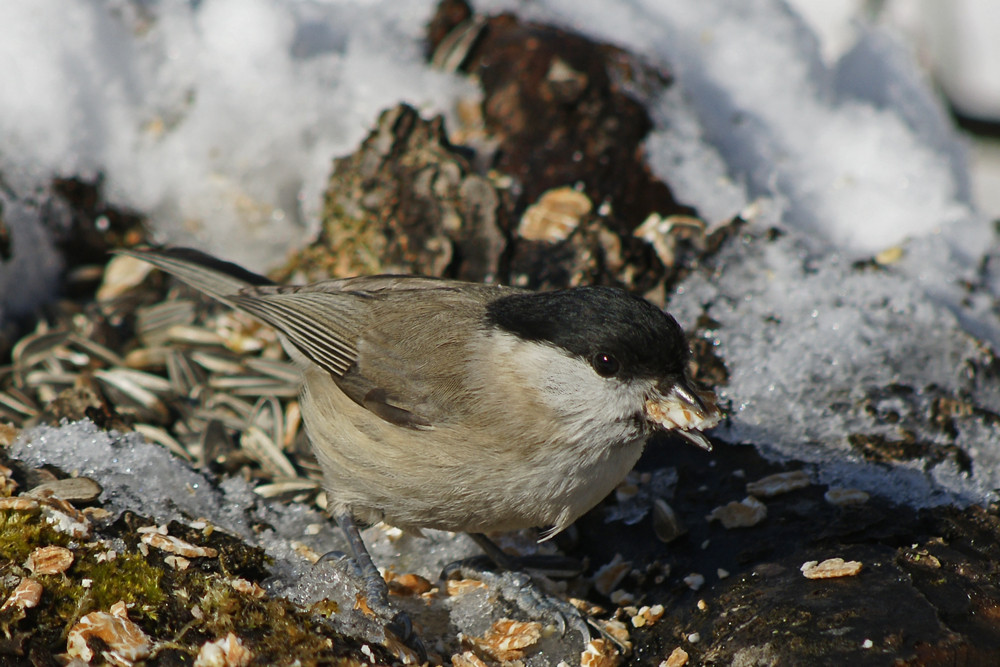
{"x":557,"y":567}
{"x":376,"y":589}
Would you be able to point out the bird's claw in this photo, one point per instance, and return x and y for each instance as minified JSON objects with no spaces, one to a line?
{"x":374,"y":601}
{"x":395,"y":623}
{"x":401,"y":626}
{"x":519,"y":589}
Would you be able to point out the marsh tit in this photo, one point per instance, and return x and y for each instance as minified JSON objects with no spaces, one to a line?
{"x":433,"y":403}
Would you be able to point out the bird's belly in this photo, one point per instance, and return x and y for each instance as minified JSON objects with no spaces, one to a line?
{"x":438,"y":479}
{"x":481,"y":499}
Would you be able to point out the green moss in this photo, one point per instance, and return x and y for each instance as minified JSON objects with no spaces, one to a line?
{"x":160,"y":599}
{"x":275,"y":631}
{"x":92,"y":582}
{"x":22,"y":532}
{"x":128,"y":577}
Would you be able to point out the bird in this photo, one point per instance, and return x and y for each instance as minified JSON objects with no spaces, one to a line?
{"x":466,"y":407}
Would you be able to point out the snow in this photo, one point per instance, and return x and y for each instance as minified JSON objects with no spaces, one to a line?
{"x":828,"y":350}
{"x":219,"y":119}
{"x":956,"y":39}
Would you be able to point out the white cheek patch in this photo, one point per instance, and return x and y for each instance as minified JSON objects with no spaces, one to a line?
{"x":588,"y":405}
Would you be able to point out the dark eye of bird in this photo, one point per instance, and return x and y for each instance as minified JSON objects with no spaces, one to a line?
{"x":605,"y":364}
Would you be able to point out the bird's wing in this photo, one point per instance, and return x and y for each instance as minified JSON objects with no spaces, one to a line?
{"x":394,"y":344}
{"x":398,"y":347}
{"x":323,"y":326}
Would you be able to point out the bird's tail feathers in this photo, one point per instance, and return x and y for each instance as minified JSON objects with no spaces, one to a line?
{"x":200,"y":270}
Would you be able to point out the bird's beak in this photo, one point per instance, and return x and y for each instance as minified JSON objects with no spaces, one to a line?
{"x":680,"y":409}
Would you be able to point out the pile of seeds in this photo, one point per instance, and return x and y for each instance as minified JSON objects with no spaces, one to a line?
{"x":188,"y":374}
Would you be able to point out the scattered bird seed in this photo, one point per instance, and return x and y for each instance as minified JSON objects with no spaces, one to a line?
{"x":748,"y":512}
{"x":72,"y":489}
{"x":599,"y":653}
{"x":25,"y":596}
{"x":179,"y":563}
{"x":609,"y":575}
{"x":507,"y":639}
{"x":125,"y":641}
{"x":246,"y":587}
{"x":226,"y":652}
{"x":49,"y":560}
{"x":456,"y":587}
{"x":778,"y":483}
{"x":19,"y":504}
{"x":467,"y":659}
{"x":556,"y":214}
{"x":193,"y":376}
{"x":831,"y":568}
{"x":175,"y":545}
{"x":648,"y":615}
{"x":846,"y":497}
{"x":666,"y":524}
{"x":678,"y":658}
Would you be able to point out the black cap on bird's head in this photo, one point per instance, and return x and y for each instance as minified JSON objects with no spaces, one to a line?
{"x":619,"y":334}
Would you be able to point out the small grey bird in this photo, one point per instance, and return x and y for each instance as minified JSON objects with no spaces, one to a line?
{"x":434,"y":403}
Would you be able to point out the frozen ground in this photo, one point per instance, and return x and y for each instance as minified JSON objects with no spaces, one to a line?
{"x":219,"y":119}
{"x":147,"y":480}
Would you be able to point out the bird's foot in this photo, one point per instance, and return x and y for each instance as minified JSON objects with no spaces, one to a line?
{"x":519,"y":589}
{"x":373,"y":601}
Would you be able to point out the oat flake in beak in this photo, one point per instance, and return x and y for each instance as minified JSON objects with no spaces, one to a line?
{"x":685,"y":412}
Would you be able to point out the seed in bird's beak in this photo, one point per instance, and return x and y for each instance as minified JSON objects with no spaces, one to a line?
{"x":684,"y":411}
